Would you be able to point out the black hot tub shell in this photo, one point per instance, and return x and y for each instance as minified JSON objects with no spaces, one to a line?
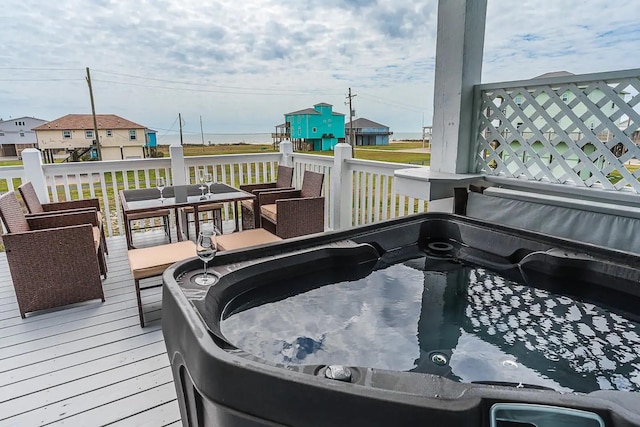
{"x":220,"y":385}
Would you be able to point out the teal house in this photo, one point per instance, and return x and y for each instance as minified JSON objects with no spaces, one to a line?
{"x":318,"y":128}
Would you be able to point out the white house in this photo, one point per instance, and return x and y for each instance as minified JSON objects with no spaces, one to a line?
{"x":17,"y":134}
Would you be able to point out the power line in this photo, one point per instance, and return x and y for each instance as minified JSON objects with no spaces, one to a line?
{"x":40,"y":69}
{"x":211,"y":90}
{"x":292,"y":91}
{"x":392,"y":103}
{"x":38,"y":80}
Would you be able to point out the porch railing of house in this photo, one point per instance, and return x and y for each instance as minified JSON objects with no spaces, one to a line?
{"x":576,"y":131}
{"x":373,"y":196}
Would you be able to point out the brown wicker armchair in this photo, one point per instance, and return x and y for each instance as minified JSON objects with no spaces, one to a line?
{"x":251,"y":219}
{"x":32,"y":202}
{"x":292,"y":213}
{"x":50,"y":258}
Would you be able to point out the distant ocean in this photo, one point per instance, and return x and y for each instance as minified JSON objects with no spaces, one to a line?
{"x":251,"y":138}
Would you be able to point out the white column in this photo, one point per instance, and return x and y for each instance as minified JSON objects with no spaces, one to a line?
{"x":461,"y":27}
{"x":32,"y":162}
{"x":178,"y":171}
{"x":341,"y":188}
{"x":286,"y":150}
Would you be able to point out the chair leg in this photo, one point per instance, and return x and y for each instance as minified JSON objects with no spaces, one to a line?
{"x":167,"y":230}
{"x":104,"y":241}
{"x":140,"y":314}
{"x":102,"y":261}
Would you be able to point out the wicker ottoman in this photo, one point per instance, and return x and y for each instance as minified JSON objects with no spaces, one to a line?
{"x":153,"y":261}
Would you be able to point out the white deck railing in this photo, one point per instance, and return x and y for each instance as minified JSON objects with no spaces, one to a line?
{"x":373,"y":196}
{"x":571,"y":130}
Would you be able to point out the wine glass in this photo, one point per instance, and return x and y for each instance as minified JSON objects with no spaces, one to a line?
{"x":160,"y":186}
{"x":206,"y":249}
{"x":201,"y":175}
{"x":208,"y":179}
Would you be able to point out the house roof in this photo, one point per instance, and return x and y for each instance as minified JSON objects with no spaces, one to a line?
{"x":305,"y":111}
{"x":20,"y":118}
{"x":85,"y":121}
{"x":313,"y":110}
{"x":554,"y":74}
{"x":365,"y":123}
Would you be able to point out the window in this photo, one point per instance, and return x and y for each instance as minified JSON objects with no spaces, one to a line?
{"x":132,"y":135}
{"x":314,"y":130}
{"x":565,"y":96}
{"x":109,"y":132}
{"x":519,"y":99}
{"x":88,"y":134}
{"x":21,"y":133}
{"x":1,"y":133}
{"x":66,"y":134}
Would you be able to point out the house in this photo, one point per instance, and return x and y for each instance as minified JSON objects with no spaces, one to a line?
{"x":119,"y":138}
{"x":17,"y":134}
{"x":318,"y":128}
{"x":367,"y":132}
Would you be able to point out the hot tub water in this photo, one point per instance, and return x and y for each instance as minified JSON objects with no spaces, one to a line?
{"x":460,"y":321}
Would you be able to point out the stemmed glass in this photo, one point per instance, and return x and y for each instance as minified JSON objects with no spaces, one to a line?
{"x":206,"y":248}
{"x":201,"y":178}
{"x":208,"y":179}
{"x":160,"y":186}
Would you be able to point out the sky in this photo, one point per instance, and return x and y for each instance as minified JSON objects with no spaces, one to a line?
{"x":241,"y":65}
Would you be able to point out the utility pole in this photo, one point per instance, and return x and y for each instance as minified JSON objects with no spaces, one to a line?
{"x":201,"y":132}
{"x":93,"y":112}
{"x":180,"y":120}
{"x":351,"y":135}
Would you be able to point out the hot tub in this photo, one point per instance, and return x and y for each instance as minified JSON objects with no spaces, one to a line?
{"x":432,"y":319}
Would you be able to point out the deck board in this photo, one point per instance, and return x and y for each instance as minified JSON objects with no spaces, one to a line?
{"x":88,"y":363}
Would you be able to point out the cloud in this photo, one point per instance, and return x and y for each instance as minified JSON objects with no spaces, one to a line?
{"x":274,"y":56}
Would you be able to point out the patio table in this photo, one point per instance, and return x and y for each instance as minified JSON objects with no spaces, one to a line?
{"x":175,"y":197}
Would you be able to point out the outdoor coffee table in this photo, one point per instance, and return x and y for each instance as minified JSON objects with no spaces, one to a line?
{"x":179,"y":196}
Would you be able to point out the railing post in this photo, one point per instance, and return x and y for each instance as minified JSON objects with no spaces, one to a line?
{"x":286,"y":150}
{"x":341,"y":188}
{"x":178,"y":171}
{"x":32,"y":162}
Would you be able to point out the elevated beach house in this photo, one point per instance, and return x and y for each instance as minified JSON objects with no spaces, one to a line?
{"x":119,"y":138}
{"x":368,"y":132}
{"x":318,"y":128}
{"x":17,"y":134}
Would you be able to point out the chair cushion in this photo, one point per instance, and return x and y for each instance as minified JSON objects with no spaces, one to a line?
{"x":245,"y":239}
{"x":148,"y":214}
{"x":97,"y":237}
{"x":204,"y":208}
{"x":270,"y":212}
{"x":247,"y":204}
{"x":154,"y":260}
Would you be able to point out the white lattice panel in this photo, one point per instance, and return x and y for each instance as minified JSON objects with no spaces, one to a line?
{"x":575,"y":130}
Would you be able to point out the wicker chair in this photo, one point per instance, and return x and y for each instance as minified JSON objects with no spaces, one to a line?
{"x":31,"y":200}
{"x":293,"y":213}
{"x":49,"y":257}
{"x":249,"y":207}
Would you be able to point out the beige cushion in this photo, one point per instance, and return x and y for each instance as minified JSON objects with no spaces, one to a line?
{"x":205,"y":208}
{"x":270,"y":212}
{"x":247,"y":204}
{"x":148,"y":214}
{"x":97,"y":237}
{"x":245,"y":239}
{"x":153,"y":261}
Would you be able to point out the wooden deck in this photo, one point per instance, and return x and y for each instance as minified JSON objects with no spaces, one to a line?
{"x":86,"y":364}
